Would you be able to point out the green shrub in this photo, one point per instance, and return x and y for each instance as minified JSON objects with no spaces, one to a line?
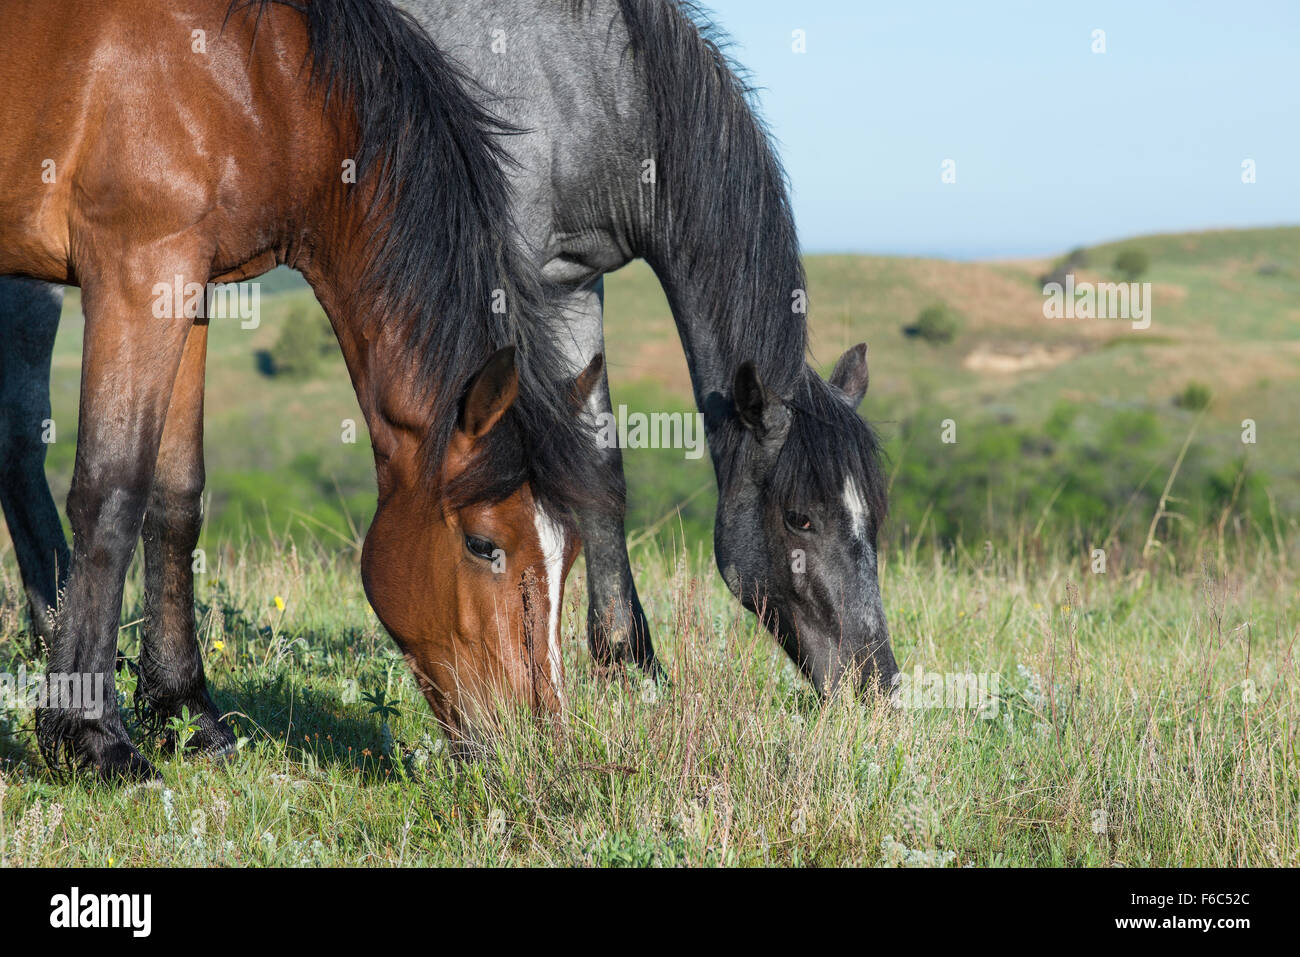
{"x":305,"y":338}
{"x":1059,"y":421}
{"x":1194,"y":397}
{"x":1099,"y":470}
{"x":1131,"y":263}
{"x":935,"y":324}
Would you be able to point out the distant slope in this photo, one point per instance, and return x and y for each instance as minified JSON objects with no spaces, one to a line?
{"x":1214,"y":247}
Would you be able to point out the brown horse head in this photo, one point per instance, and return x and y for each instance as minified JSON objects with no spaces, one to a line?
{"x":470,"y":586}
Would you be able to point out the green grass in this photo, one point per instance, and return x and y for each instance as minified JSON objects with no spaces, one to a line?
{"x":1123,"y":700}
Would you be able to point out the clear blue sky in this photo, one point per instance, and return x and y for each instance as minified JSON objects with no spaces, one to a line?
{"x":1055,"y":146}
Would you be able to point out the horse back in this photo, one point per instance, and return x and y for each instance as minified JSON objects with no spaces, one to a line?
{"x":144,"y":120}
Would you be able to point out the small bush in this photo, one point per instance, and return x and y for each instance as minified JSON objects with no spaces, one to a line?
{"x":303,"y":341}
{"x":935,"y":324}
{"x":1132,"y":263}
{"x":1077,"y":257}
{"x":1194,"y":397}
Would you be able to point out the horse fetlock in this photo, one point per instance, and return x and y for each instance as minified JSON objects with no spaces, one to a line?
{"x":69,"y":740}
{"x":620,"y":635}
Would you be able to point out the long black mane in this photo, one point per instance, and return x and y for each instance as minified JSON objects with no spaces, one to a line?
{"x":721,"y":210}
{"x":720,"y":204}
{"x":448,"y":250}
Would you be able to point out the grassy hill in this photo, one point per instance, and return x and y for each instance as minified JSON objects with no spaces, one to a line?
{"x":1086,"y":405}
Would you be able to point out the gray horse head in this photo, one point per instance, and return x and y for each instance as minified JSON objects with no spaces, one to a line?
{"x":802,"y":496}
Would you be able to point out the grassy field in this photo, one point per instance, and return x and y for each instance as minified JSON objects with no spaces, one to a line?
{"x":1141,"y":716}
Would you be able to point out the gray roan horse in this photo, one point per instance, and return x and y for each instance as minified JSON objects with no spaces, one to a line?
{"x":639,"y":141}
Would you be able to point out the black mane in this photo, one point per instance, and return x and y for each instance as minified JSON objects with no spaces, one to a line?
{"x":722,"y":209}
{"x":721,"y":205}
{"x":448,"y":243}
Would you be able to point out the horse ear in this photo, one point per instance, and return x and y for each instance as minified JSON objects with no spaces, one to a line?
{"x":760,"y":411}
{"x":588,"y":379}
{"x":491,"y":393}
{"x":850,"y":375}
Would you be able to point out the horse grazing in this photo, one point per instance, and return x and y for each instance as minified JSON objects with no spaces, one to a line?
{"x":643,"y":144}
{"x":157,"y":143}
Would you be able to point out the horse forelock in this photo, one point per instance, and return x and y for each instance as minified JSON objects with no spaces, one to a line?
{"x":555,"y":457}
{"x":828,"y":449}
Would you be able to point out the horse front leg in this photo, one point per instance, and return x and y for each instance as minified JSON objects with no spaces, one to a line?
{"x":129,"y":363}
{"x":617,"y":629}
{"x":29,"y":319}
{"x":171,"y":668}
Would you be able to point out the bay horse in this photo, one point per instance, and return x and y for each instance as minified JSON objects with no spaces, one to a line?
{"x":148,"y":142}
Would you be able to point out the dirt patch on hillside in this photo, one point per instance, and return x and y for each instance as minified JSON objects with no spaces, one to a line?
{"x":1009,"y":359}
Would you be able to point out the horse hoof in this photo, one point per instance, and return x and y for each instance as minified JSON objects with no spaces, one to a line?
{"x":219,"y":749}
{"x":101,"y":748}
{"x":214,"y":741}
{"x":211,"y":737}
{"x":121,"y":763}
{"x":222,"y":755}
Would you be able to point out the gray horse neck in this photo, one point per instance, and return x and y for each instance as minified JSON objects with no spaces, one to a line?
{"x":725,"y":318}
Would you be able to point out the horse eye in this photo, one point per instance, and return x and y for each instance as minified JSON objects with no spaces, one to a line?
{"x":798,"y":522}
{"x":481,"y":547}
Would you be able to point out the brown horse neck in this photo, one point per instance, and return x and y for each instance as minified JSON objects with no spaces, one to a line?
{"x":382,"y":368}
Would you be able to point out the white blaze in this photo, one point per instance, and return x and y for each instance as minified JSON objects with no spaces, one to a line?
{"x":550,"y":534}
{"x":856,"y":506}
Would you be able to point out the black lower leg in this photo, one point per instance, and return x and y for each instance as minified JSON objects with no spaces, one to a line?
{"x":37,"y":533}
{"x":617,"y":629}
{"x":79,"y":724}
{"x":171,"y":677}
{"x":171,"y":681}
{"x":29,"y":320}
